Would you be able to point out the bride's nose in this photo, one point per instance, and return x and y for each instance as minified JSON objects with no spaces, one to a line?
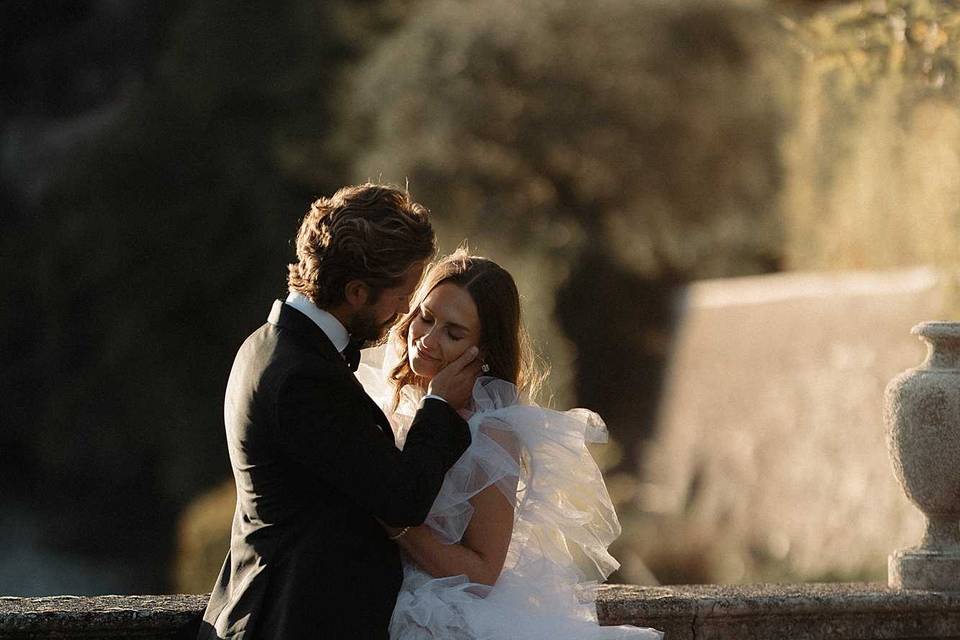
{"x":431,"y":338}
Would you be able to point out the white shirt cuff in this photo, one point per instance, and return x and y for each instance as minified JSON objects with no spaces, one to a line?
{"x":435,"y":397}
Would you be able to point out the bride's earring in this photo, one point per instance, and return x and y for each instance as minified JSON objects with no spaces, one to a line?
{"x":484,"y":367}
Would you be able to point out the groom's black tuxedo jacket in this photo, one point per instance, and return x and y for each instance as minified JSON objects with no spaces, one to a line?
{"x":315,"y":464}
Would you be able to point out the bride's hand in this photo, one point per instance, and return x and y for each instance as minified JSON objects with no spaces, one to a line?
{"x":454,"y":383}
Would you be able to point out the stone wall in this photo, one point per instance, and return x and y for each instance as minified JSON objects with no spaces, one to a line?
{"x":769,"y":461}
{"x":760,"y":612}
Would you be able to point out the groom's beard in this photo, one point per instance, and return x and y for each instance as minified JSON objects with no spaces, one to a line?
{"x":363,"y":326}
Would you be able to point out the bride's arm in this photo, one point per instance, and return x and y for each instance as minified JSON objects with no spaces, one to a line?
{"x":481,"y":553}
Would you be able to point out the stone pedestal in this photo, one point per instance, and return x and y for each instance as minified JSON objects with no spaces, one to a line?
{"x":922,"y":414}
{"x":928,"y":570}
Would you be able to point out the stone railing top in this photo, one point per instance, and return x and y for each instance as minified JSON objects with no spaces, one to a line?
{"x":771,"y":611}
{"x":163,"y":616}
{"x":798,"y":612}
{"x":618,"y":604}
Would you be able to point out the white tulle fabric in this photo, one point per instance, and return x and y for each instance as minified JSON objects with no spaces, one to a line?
{"x":563,"y":523}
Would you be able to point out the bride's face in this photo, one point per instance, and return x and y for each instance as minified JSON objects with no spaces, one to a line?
{"x":445,"y":325}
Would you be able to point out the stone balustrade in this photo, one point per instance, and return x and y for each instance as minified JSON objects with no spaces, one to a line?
{"x":838,"y":611}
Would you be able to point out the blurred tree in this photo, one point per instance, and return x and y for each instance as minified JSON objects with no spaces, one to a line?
{"x":157,"y":161}
{"x":619,"y":148}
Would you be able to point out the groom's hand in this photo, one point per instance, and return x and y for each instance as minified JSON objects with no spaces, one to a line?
{"x":454,"y":383}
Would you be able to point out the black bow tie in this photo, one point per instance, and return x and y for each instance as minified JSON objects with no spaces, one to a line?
{"x":351,"y":354}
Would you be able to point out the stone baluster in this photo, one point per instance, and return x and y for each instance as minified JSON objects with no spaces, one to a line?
{"x":922,"y":416}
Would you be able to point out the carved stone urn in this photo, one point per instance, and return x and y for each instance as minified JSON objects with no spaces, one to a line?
{"x":922,"y":415}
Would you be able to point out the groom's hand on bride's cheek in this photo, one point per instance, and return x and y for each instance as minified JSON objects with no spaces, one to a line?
{"x":454,"y":383}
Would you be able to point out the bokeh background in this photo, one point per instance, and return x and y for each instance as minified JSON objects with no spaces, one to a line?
{"x":156,"y":159}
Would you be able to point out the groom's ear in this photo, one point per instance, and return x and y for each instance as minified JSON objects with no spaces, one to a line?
{"x":356,"y":293}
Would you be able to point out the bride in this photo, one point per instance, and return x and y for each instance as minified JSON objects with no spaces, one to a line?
{"x":517,"y":539}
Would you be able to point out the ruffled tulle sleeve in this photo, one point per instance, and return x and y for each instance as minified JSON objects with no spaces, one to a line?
{"x":564,"y":514}
{"x":538,"y":459}
{"x":563,"y":523}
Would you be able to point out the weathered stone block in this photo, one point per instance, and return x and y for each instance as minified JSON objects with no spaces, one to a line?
{"x":770,"y":459}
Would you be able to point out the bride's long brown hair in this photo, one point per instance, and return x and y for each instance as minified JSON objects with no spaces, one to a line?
{"x":504,"y":343}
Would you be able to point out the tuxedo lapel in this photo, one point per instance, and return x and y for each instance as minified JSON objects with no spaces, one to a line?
{"x":286,"y":317}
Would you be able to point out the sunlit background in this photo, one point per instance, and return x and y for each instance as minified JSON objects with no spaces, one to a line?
{"x":156,"y":159}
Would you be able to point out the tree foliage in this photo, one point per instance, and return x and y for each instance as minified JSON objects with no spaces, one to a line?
{"x":153,"y":243}
{"x":648,"y":129}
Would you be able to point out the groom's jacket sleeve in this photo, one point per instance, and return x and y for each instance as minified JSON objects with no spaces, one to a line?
{"x":329,"y":430}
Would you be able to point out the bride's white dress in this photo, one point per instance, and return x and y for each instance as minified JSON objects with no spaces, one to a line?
{"x":563,"y":523}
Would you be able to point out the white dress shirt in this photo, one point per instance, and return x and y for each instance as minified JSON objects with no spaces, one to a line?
{"x":327,"y":322}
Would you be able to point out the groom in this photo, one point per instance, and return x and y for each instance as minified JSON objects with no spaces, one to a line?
{"x":313,"y":456}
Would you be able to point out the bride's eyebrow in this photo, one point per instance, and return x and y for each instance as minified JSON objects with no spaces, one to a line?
{"x":452,"y":324}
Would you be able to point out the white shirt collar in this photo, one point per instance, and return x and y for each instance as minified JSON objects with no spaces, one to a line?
{"x":327,"y":322}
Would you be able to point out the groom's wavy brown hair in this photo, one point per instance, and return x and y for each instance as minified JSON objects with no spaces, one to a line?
{"x":504,"y":343}
{"x":369,"y":232}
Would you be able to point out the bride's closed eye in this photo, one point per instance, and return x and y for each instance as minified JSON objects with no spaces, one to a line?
{"x":427,"y":319}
